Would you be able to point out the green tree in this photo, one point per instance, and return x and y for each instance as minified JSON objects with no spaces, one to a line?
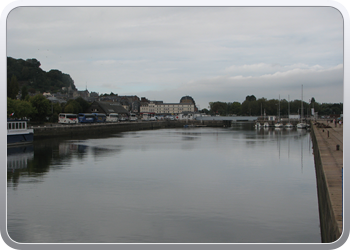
{"x":42,"y":107}
{"x":10,"y":106}
{"x":219,"y":108}
{"x":23,"y":109}
{"x":12,"y":87}
{"x":35,"y":63}
{"x":24,"y":92}
{"x":29,"y":71}
{"x":72,"y":106}
{"x":250,"y":106}
{"x":235,"y":108}
{"x":56,"y":109}
{"x":250,"y":98}
{"x":83,"y":104}
{"x":205,"y":111}
{"x":20,"y":108}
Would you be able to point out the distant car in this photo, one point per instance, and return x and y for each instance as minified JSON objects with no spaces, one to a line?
{"x":152,"y":119}
{"x":133,"y":117}
{"x":159,"y":117}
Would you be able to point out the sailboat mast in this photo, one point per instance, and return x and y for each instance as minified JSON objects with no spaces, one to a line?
{"x":302,"y":109}
{"x":279,"y":108}
{"x":288,"y":109}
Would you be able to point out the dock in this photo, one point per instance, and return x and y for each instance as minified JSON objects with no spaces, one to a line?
{"x":328,"y":153}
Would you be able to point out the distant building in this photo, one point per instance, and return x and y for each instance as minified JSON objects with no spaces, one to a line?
{"x":294,"y":116}
{"x":106,"y":108}
{"x":94,"y":94}
{"x":55,"y":99}
{"x":186,"y":105}
{"x":81,"y":93}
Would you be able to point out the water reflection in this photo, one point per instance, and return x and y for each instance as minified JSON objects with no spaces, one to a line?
{"x":36,"y":159}
{"x":216,"y":185}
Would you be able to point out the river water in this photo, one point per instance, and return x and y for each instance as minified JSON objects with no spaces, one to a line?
{"x":185,"y":185}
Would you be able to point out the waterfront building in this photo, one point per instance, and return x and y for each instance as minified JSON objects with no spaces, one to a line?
{"x":106,"y":108}
{"x":185,"y":105}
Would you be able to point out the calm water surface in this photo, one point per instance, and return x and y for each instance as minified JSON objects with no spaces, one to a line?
{"x":196,"y":185}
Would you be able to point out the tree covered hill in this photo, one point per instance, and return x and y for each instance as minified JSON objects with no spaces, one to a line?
{"x":28,"y":73}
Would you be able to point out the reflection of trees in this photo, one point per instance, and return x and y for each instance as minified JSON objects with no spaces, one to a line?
{"x":48,"y":152}
{"x":39,"y":164}
{"x":36,"y":166}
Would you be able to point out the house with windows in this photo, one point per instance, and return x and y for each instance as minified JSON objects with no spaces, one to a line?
{"x":185,"y":105}
{"x":106,"y":108}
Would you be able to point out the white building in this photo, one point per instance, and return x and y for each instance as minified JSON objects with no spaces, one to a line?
{"x":167,"y":108}
{"x":158,"y":107}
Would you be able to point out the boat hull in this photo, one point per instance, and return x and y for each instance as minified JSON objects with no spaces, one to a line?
{"x":21,"y":138}
{"x":279,"y":125}
{"x":301,"y":125}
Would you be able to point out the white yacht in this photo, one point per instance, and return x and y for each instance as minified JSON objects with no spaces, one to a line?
{"x":258,"y":125}
{"x":301,"y":125}
{"x":279,"y":125}
{"x":288,"y":125}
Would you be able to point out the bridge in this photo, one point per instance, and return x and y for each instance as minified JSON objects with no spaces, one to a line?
{"x":228,"y":118}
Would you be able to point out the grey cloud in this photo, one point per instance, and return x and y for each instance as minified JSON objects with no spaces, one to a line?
{"x":210,"y":53}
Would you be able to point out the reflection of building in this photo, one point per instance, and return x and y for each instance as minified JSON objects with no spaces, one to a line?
{"x":186,"y":105}
{"x":67,"y":148}
{"x":18,"y":157}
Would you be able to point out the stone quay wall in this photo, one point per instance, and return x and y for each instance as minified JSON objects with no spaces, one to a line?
{"x":57,"y":130}
{"x":328,"y":156}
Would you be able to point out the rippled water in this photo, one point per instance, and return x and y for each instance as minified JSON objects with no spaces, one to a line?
{"x":195,"y":185}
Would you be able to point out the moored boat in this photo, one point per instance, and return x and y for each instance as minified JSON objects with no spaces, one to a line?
{"x":288,"y":125}
{"x":18,"y":132}
{"x":301,"y":125}
{"x":279,"y":125}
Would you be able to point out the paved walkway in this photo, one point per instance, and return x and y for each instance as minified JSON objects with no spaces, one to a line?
{"x":329,"y":140}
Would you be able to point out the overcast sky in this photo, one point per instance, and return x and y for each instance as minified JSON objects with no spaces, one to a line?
{"x":209,"y":53}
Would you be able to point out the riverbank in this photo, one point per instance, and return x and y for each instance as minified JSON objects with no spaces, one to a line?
{"x":328,"y":155}
{"x":57,"y":130}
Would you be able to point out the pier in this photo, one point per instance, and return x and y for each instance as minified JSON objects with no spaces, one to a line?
{"x":328,"y":153}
